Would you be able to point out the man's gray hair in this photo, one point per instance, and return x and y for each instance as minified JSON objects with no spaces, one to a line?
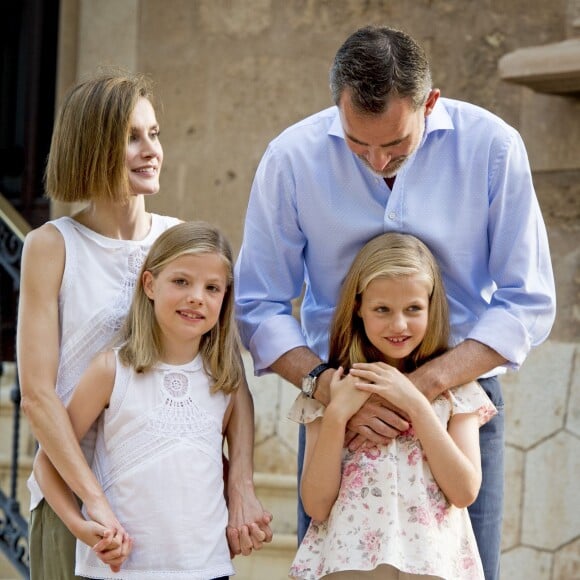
{"x":376,"y":63}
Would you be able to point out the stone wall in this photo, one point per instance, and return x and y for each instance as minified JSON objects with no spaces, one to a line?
{"x":231,"y":75}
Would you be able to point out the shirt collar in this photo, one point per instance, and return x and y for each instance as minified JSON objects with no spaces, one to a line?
{"x":439,"y":119}
{"x":336,"y":126}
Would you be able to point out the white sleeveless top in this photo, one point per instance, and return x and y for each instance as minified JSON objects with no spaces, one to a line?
{"x":95,"y":295}
{"x":158,"y":458}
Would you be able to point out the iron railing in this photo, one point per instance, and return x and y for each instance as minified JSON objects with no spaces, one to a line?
{"x":13,"y":526}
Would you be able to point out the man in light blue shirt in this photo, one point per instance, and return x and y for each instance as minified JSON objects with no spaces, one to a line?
{"x":392,"y":155}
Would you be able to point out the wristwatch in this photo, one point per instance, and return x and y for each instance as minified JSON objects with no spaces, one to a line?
{"x":309,"y":382}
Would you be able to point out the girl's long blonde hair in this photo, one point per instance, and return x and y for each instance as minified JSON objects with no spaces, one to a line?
{"x":141,"y":335}
{"x":390,"y":255}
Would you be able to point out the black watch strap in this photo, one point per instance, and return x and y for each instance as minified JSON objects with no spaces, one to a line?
{"x":317,"y":371}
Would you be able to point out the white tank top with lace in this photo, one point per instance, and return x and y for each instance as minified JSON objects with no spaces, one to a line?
{"x":158,"y":457}
{"x":96,"y":291}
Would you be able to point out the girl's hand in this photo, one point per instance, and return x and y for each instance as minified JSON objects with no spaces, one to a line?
{"x":345,"y":397}
{"x":387,"y":382}
{"x":92,"y":533}
{"x":113,"y":549}
{"x":110,"y":546}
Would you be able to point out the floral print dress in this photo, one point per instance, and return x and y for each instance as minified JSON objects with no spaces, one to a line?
{"x":390,"y":510}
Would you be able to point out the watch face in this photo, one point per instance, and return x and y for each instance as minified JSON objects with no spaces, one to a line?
{"x":307,"y":385}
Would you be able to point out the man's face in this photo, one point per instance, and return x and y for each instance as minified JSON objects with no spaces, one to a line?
{"x":384,"y":142}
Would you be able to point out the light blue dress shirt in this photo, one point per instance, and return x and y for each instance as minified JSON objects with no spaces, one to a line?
{"x":466,"y":192}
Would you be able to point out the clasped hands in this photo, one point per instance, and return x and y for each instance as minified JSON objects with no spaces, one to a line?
{"x":381,"y":417}
{"x":112,"y":544}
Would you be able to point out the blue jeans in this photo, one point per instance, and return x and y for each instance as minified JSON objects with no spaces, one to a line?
{"x":487,"y":512}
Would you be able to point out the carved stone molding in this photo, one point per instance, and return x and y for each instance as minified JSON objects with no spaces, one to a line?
{"x":551,"y":68}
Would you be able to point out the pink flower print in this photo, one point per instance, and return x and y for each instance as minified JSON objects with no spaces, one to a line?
{"x":350,"y":468}
{"x":438,"y":502}
{"x":441,"y":513}
{"x":371,"y":541}
{"x":419,"y":515}
{"x":353,"y":476}
{"x":467,"y":562}
{"x":414,"y":457}
{"x":371,"y":452}
{"x":409,"y":433}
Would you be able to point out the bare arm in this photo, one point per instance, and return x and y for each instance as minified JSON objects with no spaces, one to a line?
{"x":453,"y":454}
{"x":38,"y":355}
{"x":62,"y":500}
{"x":298,"y":362}
{"x":375,"y":422}
{"x":109,"y":545}
{"x":249,"y":523}
{"x":322,"y":472}
{"x":89,"y":400}
{"x":460,"y":365}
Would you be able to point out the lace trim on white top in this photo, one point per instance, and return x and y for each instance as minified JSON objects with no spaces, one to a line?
{"x":98,"y":333}
{"x":176,"y":420}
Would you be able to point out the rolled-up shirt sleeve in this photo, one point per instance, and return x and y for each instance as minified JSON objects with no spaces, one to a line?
{"x":270,"y":268}
{"x":522,"y":309}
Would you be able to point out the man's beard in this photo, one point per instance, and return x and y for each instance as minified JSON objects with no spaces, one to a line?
{"x":394,"y":165}
{"x":392,"y":168}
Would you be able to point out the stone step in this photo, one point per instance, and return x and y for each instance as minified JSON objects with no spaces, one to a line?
{"x":24,"y":469}
{"x":26,"y":443}
{"x":7,"y":572}
{"x":26,"y":446}
{"x":278,"y":495}
{"x":272,"y":562}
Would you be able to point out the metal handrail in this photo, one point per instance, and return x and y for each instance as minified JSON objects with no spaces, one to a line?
{"x":13,"y":219}
{"x":13,"y":526}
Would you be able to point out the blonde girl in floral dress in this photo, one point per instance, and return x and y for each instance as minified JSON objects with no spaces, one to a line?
{"x":399,"y":510}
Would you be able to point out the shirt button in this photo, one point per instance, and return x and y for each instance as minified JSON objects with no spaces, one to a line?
{"x":392,"y":215}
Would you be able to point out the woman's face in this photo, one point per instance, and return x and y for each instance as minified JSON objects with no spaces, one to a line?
{"x":144,"y":154}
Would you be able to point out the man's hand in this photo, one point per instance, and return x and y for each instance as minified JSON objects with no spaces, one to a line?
{"x":374,"y":424}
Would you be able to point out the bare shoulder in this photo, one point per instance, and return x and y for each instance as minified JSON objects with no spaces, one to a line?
{"x":43,"y":260}
{"x":105,"y":364}
{"x":96,"y":384}
{"x":45,"y":247}
{"x":43,"y":236}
